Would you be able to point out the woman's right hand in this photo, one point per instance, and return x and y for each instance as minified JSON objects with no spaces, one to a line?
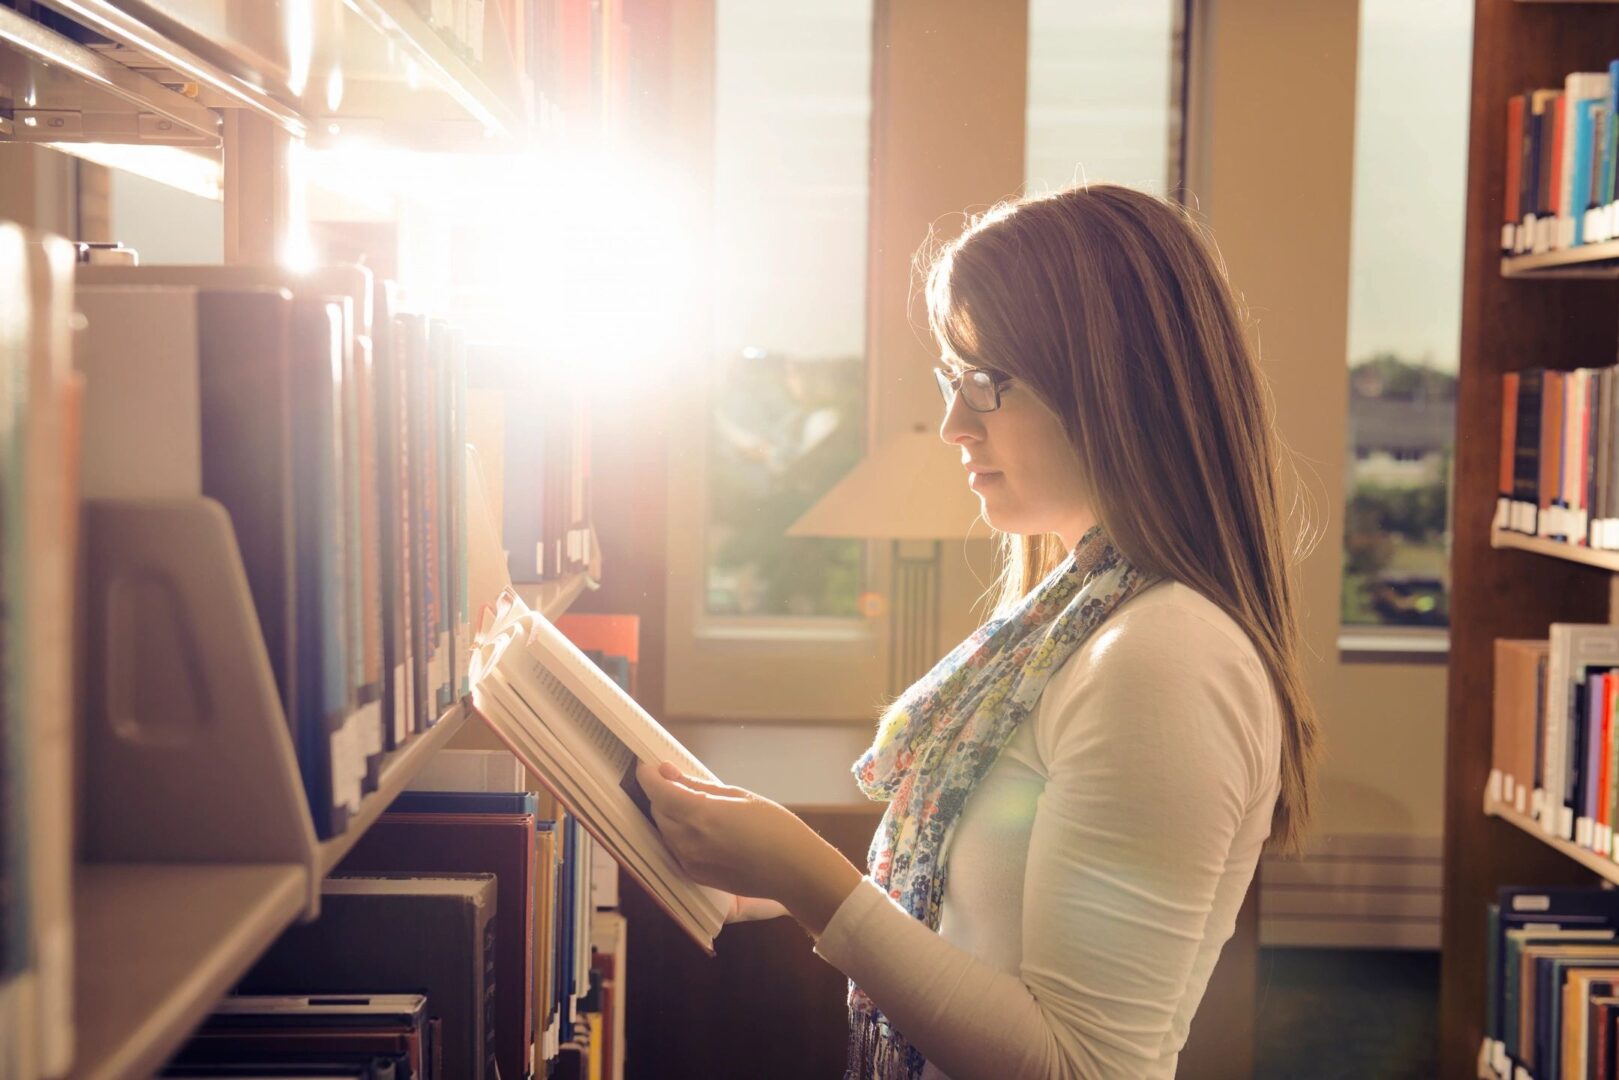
{"x":753,"y":909}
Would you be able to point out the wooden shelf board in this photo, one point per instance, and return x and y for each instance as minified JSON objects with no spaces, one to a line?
{"x":1587,"y":260}
{"x":157,"y":944}
{"x":397,"y":771}
{"x":1603,"y":560}
{"x":1591,"y":860}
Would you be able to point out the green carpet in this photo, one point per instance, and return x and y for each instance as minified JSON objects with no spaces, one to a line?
{"x":1349,"y":1013}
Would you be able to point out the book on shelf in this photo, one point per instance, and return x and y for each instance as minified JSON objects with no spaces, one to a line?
{"x":433,"y":933}
{"x":40,"y":424}
{"x":477,"y":832}
{"x":533,"y":436}
{"x":1562,"y":146}
{"x":1554,"y":752}
{"x":1558,"y":477}
{"x":609,"y":945}
{"x":583,"y":736}
{"x":1519,"y":704}
{"x":301,"y":404}
{"x":270,"y":1031}
{"x":1538,"y":942}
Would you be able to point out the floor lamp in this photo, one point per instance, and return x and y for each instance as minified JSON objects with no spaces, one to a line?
{"x":912,"y":491}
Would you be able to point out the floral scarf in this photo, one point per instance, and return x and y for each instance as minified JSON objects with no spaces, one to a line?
{"x":945,"y":733}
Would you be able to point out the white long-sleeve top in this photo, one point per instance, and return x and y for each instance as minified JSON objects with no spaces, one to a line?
{"x":1098,"y":867}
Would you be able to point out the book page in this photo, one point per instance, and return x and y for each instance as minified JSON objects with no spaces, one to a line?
{"x":550,"y":650}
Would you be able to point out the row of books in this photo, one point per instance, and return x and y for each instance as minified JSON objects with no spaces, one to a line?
{"x":1555,"y":756}
{"x":40,"y":417}
{"x":1558,"y":474}
{"x":478,"y":901}
{"x":1551,"y":985}
{"x":1562,"y":147}
{"x":328,"y":424}
{"x":541,"y":454}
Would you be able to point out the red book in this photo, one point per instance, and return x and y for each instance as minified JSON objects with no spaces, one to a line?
{"x":1554,"y":191}
{"x":1514,"y":159}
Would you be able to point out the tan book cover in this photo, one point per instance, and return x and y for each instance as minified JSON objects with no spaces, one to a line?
{"x":1516,"y":707}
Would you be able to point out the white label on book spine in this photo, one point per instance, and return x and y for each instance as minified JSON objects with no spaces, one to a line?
{"x":1568,"y":823}
{"x":1507,"y":237}
{"x":1521,"y":798}
{"x":371,"y":728}
{"x":1495,"y":786}
{"x":401,"y":704}
{"x":1582,"y":832}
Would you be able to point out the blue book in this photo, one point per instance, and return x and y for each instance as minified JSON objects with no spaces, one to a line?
{"x":1584,"y":137}
{"x":319,"y":527}
{"x":1610,"y":139}
{"x":465,"y":802}
{"x":1555,"y":910}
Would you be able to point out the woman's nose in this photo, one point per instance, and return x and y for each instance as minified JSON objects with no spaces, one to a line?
{"x":960,"y":424}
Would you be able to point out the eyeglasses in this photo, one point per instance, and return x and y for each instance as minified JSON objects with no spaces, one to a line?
{"x":980,"y":388}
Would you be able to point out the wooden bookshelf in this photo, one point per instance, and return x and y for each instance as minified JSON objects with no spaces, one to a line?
{"x":1555,"y":549}
{"x":156,"y":944}
{"x":1586,"y":261}
{"x":1510,"y":320}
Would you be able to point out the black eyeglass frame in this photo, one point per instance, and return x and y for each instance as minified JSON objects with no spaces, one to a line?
{"x":950,"y":386}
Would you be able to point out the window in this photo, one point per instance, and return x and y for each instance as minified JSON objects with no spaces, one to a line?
{"x":1105,"y":94}
{"x":1405,"y":309}
{"x":787,"y":404}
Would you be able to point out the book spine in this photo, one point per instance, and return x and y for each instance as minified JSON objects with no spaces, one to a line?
{"x":1505,"y":472}
{"x":1514,"y":172}
{"x":1526,"y":452}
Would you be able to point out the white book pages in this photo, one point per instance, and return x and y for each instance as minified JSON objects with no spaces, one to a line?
{"x":605,"y":809}
{"x":582,"y":735}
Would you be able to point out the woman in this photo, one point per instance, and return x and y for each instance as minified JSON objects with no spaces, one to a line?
{"x":1078,"y":793}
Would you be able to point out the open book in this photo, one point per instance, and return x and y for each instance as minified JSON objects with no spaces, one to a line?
{"x":582,"y":735}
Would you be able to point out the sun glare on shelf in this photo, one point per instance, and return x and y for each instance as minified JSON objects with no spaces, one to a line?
{"x":583,"y":259}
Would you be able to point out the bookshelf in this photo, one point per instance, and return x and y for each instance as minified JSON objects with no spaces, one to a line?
{"x":1506,"y":586}
{"x":158,"y":944}
{"x":196,"y":847}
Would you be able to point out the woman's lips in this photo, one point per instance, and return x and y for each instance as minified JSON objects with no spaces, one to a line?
{"x":981,"y":478}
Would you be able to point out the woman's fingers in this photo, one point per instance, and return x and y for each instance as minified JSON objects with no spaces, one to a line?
{"x":676,"y":779}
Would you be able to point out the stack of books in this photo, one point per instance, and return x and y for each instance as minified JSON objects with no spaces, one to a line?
{"x":328,"y":425}
{"x":1554,"y":754}
{"x":1558,"y":475}
{"x":1561,"y":155}
{"x":532,"y":433}
{"x":1552,"y":985}
{"x":455,"y":940}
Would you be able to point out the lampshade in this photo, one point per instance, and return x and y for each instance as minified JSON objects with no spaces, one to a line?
{"x":911,"y":487}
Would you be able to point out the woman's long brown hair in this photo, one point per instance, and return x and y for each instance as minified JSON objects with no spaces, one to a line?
{"x":1114,"y":308}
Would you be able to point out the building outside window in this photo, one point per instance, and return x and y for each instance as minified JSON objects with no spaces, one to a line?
{"x":1404,"y":310}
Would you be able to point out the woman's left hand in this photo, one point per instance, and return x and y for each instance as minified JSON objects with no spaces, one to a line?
{"x":743,"y":843}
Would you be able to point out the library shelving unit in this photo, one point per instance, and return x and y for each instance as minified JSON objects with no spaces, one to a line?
{"x":195,"y":846}
{"x":1555,"y":310}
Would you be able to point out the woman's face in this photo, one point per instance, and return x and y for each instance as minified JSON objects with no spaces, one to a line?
{"x":1020,"y":464}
